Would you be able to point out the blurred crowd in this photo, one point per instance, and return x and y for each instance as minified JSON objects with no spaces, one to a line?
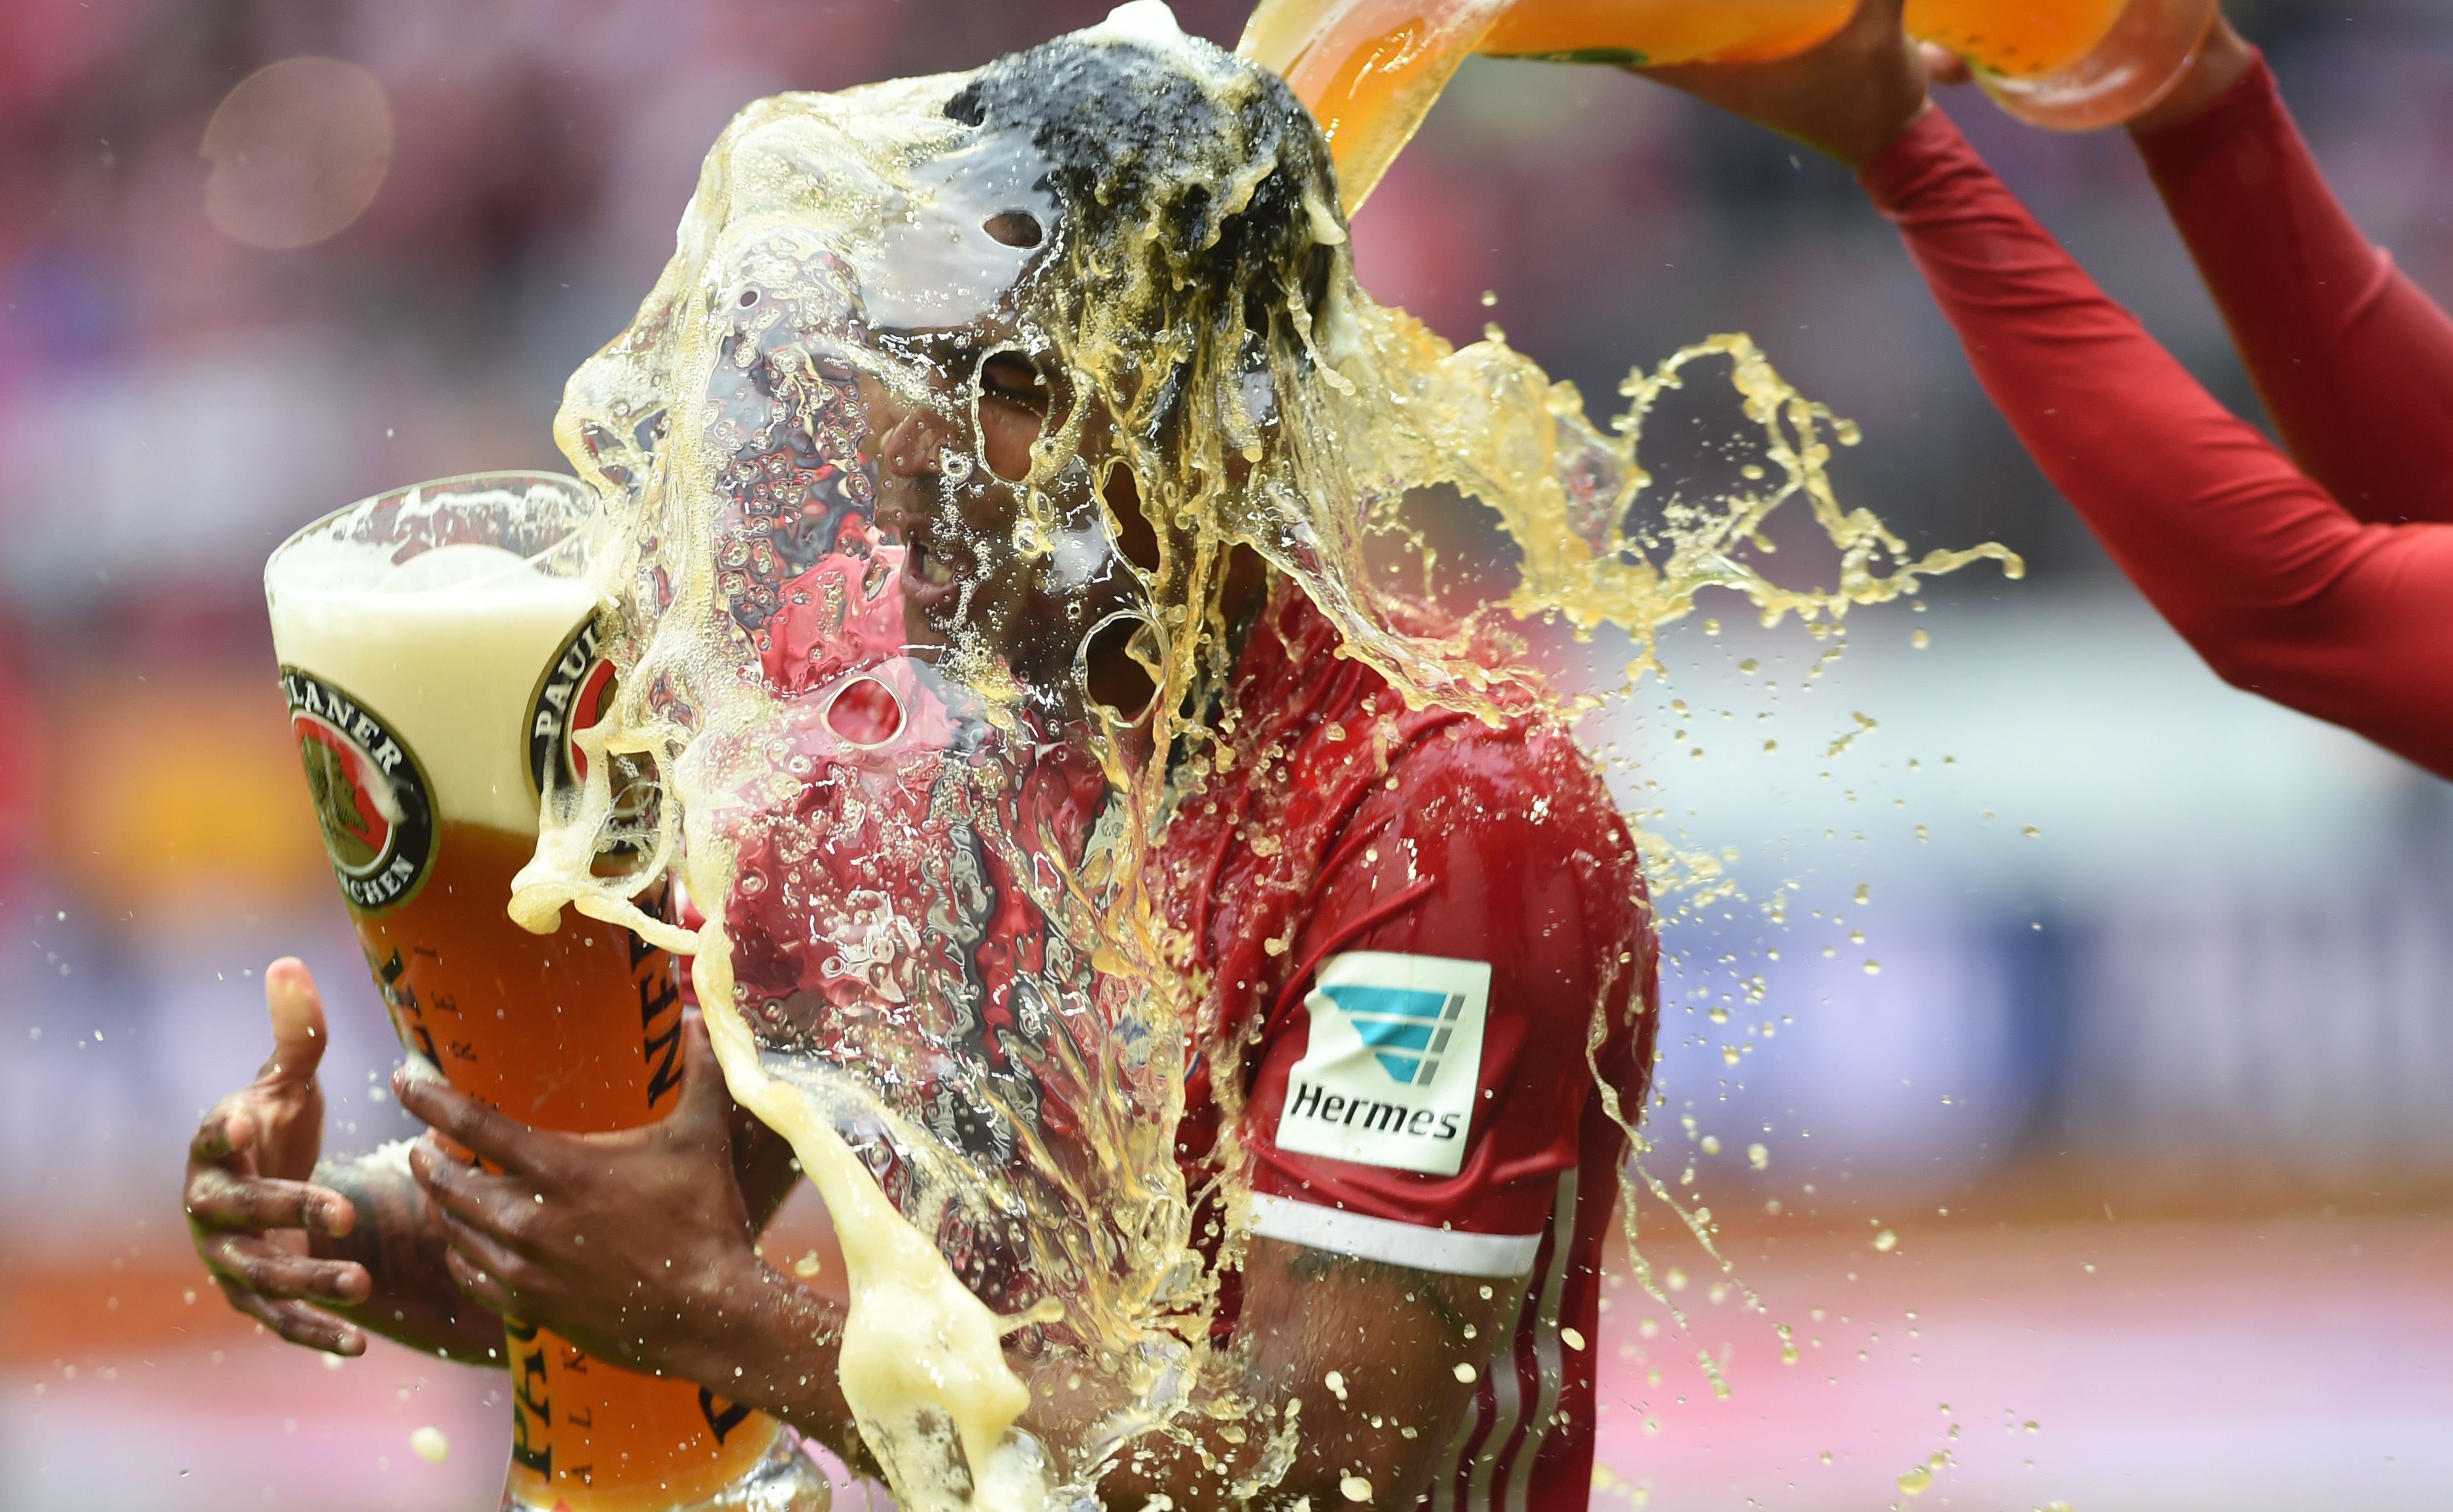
{"x":2223,"y":944}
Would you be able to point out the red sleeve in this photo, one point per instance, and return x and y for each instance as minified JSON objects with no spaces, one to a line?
{"x":2353,"y":362}
{"x":1420,"y":1084}
{"x":2276,"y":585}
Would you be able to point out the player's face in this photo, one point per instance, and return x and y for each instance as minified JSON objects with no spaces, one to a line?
{"x":950,"y":466}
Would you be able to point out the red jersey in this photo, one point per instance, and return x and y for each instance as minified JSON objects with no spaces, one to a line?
{"x":1412,"y":924}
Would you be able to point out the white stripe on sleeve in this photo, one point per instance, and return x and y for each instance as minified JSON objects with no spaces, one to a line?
{"x":1412,"y":1245}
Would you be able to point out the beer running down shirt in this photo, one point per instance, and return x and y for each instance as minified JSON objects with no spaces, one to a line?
{"x":985,"y":936}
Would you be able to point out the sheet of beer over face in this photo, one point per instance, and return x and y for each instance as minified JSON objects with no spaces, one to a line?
{"x":879,"y":662}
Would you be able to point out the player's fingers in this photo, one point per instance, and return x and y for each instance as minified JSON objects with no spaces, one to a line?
{"x":226,"y":1130}
{"x":503,"y":1207}
{"x":218,"y":1199}
{"x":267,"y":1270}
{"x":298,"y":1323}
{"x":705,"y":1107}
{"x":1891,"y":15}
{"x":482,"y":1130}
{"x":1941,"y":66}
{"x":298,"y":1037}
{"x":481,"y":1283}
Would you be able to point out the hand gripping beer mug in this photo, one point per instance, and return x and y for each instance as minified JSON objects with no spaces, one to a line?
{"x":1370,"y":70}
{"x":437,"y":647}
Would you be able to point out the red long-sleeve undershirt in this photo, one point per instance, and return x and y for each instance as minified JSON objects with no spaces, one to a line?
{"x":2354,"y":363}
{"x":2280,"y":588}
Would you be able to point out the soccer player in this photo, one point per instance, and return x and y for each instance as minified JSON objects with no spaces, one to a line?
{"x":2323,"y":586}
{"x":1408,"y":939}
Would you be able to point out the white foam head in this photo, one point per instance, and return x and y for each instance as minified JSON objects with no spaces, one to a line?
{"x":447,"y":644}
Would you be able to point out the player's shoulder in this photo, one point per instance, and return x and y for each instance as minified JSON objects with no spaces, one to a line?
{"x":1521,"y":779}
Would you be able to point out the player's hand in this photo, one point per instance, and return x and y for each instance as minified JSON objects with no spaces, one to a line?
{"x":1846,"y":98}
{"x":249,"y":1203}
{"x":636,"y":1246}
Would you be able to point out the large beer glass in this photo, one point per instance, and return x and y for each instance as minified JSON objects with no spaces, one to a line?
{"x":1370,"y":70}
{"x":437,"y":646}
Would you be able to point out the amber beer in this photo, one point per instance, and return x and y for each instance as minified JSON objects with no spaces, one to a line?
{"x":438,"y":651}
{"x":1370,"y":70}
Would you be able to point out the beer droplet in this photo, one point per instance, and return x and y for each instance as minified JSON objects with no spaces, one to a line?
{"x":1886,"y":1241}
{"x":1464,"y":1371}
{"x":1759,"y":1157}
{"x":2030,"y":831}
{"x":1918,"y":638}
{"x":1711,"y":1145}
{"x":1916,"y":1482}
{"x":1572,"y":1338}
{"x":1336,"y":1382}
{"x":431,"y":1446}
{"x":1355,"y":1488}
{"x":807,"y":1266}
{"x":1873,"y":968}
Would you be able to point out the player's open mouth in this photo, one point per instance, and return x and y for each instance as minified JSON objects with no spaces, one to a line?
{"x":930,"y":577}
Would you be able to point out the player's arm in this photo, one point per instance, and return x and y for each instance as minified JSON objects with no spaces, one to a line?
{"x":2354,"y":361}
{"x":1365,"y":1355}
{"x":1478,"y":883}
{"x":2278,"y":588}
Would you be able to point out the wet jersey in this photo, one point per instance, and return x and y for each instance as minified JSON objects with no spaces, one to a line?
{"x":1421,"y":940}
{"x":1411,"y":925}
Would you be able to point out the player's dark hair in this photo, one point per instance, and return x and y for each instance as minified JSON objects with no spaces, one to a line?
{"x":1150,"y":149}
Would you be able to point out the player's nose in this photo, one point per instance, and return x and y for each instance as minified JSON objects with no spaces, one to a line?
{"x":908,"y":446}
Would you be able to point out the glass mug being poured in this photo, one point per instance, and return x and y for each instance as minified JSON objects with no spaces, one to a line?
{"x":438,"y":651}
{"x":1370,"y":69}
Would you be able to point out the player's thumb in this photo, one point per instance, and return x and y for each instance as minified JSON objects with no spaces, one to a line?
{"x":704,"y":1106}
{"x":298,"y":1037}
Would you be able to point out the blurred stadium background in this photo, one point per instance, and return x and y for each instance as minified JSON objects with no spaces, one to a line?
{"x":2125,"y":1180}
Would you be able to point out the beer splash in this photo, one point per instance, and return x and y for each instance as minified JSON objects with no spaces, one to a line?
{"x":881,"y":678}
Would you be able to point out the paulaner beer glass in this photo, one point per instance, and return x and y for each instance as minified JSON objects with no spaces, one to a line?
{"x":437,"y":645}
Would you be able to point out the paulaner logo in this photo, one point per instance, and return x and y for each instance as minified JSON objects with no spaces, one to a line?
{"x":1388,"y":1075}
{"x":369,"y":795}
{"x":570,"y":697}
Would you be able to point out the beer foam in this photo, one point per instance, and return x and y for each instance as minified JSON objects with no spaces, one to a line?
{"x":446,"y":648}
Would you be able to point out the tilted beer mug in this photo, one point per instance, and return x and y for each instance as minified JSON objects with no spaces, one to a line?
{"x":1370,"y":70}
